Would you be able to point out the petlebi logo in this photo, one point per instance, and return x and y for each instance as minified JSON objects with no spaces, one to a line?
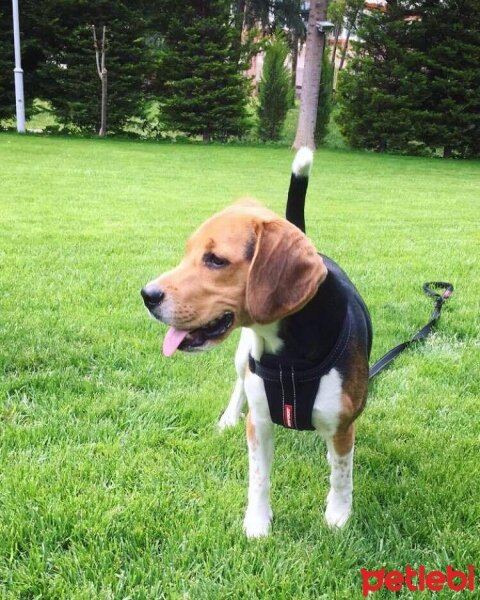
{"x":418,"y":580}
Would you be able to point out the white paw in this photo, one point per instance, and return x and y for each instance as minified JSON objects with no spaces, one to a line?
{"x":257,"y":523}
{"x":339,"y":509}
{"x":228,"y":419}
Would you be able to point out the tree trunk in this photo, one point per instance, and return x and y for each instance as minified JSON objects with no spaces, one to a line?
{"x":239,"y":22}
{"x":311,"y":77}
{"x":447,"y":152}
{"x":100,"y":49}
{"x":344,"y":51}
{"x":103,"y":117}
{"x":338,"y":31}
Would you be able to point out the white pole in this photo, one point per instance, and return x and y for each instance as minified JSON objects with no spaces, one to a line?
{"x":18,"y":70}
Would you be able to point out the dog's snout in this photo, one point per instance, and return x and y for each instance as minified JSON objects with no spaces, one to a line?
{"x":152,"y":295}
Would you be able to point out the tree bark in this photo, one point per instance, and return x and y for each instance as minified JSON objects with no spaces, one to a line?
{"x":103,"y":117}
{"x":311,"y":77}
{"x":338,"y":30}
{"x":103,"y":75}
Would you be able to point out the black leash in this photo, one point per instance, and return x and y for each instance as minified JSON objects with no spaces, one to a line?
{"x":440,"y":299}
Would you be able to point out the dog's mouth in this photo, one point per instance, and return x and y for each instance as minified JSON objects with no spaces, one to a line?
{"x":197,"y":339}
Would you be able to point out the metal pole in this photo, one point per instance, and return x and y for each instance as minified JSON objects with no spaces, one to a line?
{"x":18,"y":70}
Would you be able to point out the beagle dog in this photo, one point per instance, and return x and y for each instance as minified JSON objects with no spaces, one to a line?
{"x":302,"y":359}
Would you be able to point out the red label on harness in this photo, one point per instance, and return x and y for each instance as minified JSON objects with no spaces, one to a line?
{"x":288,"y":415}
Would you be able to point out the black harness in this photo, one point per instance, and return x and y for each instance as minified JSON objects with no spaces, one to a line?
{"x":291,"y":386}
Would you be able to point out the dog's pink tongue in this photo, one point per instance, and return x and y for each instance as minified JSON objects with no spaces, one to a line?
{"x":172,"y":340}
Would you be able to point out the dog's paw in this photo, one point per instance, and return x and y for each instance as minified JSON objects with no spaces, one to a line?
{"x":228,"y":419}
{"x":339,"y":509}
{"x":257,"y":523}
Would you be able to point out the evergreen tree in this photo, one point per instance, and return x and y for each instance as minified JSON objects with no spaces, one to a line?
{"x":7,"y":63}
{"x":204,"y":89}
{"x":382,"y":89}
{"x":59,"y":59}
{"x":451,"y":45}
{"x":414,"y":82}
{"x":274,"y":92}
{"x":325,"y":100}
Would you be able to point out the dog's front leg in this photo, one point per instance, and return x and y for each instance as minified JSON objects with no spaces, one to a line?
{"x":260,"y":454}
{"x":233,"y":412}
{"x":340,"y":456}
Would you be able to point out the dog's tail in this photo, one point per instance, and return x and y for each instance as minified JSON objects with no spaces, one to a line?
{"x":297,"y":191}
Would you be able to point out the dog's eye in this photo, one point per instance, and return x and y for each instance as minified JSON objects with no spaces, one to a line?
{"x":214,"y":262}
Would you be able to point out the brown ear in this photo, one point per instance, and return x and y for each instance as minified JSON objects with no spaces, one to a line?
{"x":285,"y":272}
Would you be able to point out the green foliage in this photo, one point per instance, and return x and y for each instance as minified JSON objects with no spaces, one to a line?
{"x":7,"y":60}
{"x":414,"y":82}
{"x":274,"y":91}
{"x":325,"y":100}
{"x":377,"y":91}
{"x":59,"y":59}
{"x":7,"y":63}
{"x":204,"y":90}
{"x":451,"y":30}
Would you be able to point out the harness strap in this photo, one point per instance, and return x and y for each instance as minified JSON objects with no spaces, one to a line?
{"x":291,"y":385}
{"x":440,"y":300}
{"x":272,"y":373}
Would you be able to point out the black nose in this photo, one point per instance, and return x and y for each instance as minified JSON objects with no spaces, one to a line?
{"x":152,"y":295}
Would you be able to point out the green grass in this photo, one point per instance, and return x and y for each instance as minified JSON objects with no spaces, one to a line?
{"x":114,"y":483}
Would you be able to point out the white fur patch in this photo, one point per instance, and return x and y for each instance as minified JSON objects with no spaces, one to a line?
{"x":328,"y":404}
{"x":302,"y":163}
{"x":265,"y":339}
{"x":233,"y":412}
{"x":339,"y":499}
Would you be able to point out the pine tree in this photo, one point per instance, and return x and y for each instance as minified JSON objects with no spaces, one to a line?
{"x":452,"y":67}
{"x":414,"y":82}
{"x":59,"y":59}
{"x":204,"y":89}
{"x":382,"y":89}
{"x":274,"y":92}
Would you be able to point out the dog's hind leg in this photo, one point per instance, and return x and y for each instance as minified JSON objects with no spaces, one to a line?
{"x":233,"y":412}
{"x":340,"y":456}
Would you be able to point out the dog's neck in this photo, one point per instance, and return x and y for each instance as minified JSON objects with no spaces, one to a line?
{"x":309,"y":334}
{"x":265,"y":339}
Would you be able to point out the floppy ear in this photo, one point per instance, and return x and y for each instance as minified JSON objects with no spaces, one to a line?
{"x":285,"y":272}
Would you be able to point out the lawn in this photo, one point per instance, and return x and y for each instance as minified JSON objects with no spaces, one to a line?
{"x":114,"y":482}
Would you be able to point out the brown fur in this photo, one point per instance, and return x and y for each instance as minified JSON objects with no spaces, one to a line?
{"x":355,"y":385}
{"x":249,"y":286}
{"x":343,"y":440}
{"x":250,"y":429}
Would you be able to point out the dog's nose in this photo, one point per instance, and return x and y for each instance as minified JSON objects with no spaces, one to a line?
{"x":152,"y":295}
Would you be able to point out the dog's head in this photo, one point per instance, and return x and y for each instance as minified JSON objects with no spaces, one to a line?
{"x":244,"y":265}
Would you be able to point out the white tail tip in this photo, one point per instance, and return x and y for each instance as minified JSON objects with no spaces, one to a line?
{"x":302,"y":163}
